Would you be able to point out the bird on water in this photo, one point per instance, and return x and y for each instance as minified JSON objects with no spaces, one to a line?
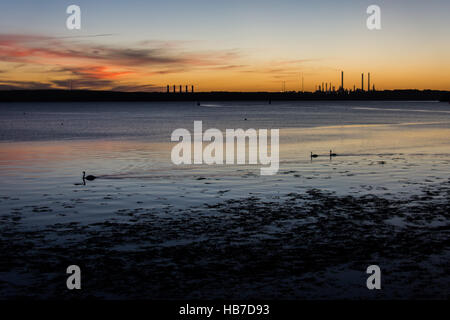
{"x":89,"y":177}
{"x":313,"y":155}
{"x":332,"y":154}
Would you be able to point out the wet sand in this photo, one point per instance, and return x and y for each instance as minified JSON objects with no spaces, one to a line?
{"x":311,"y":245}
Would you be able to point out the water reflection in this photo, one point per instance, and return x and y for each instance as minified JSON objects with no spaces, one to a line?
{"x":119,"y":158}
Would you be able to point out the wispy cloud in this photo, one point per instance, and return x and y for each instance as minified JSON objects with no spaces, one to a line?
{"x":89,"y":63}
{"x":29,"y":48}
{"x":20,"y":85}
{"x":94,"y":72}
{"x":100,"y":65}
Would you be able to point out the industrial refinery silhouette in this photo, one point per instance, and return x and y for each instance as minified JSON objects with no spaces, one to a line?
{"x":172,"y":92}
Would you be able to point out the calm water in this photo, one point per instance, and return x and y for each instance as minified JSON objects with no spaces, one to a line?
{"x":45,"y":147}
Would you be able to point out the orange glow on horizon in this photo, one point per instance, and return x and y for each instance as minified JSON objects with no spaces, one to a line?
{"x":30,"y":62}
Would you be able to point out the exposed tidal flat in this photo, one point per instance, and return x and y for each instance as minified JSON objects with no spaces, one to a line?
{"x":149,"y":229}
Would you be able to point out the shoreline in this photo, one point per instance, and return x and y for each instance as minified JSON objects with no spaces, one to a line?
{"x":57,"y":95}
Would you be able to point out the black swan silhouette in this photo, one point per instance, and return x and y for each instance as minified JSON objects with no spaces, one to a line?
{"x":89,"y":177}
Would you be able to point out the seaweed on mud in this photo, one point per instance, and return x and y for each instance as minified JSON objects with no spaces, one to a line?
{"x":301,"y":246}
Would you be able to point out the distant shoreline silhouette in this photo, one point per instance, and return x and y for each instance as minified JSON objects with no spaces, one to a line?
{"x":93,"y":95}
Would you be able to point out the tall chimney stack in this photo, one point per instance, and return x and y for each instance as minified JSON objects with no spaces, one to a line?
{"x":174,"y":89}
{"x":342,"y":80}
{"x":368,"y":82}
{"x":362,"y":81}
{"x":168,"y":88}
{"x":192,"y":89}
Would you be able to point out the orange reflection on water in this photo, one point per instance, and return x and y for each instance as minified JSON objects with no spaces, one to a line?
{"x":295,"y":144}
{"x":30,"y":156}
{"x":412,"y":138}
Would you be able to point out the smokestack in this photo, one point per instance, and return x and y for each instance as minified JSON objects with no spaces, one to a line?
{"x":187,"y":89}
{"x":181,"y":88}
{"x":362,"y":81}
{"x":368,"y":82}
{"x":342,"y":80}
{"x":326,"y":87}
{"x":192,"y":89}
{"x":174,"y":89}
{"x":168,"y":89}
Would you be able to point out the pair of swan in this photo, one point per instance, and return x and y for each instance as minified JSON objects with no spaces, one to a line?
{"x":313,"y":155}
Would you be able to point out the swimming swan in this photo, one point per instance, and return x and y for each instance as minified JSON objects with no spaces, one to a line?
{"x":89,"y":177}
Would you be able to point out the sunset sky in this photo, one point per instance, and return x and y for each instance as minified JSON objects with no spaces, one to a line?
{"x":231,"y":45}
